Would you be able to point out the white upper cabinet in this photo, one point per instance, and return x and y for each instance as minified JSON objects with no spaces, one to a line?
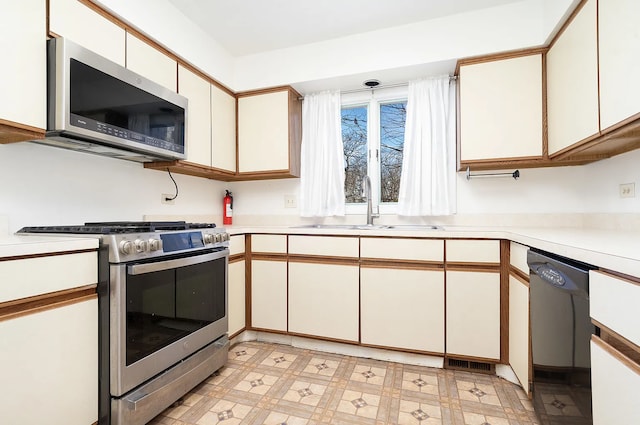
{"x":619,"y":42}
{"x":198,"y":134}
{"x":23,"y":74}
{"x":269,"y":133}
{"x":572,"y":82}
{"x":151,"y":63}
{"x":501,"y":109}
{"x":223,"y":130}
{"x":72,"y":19}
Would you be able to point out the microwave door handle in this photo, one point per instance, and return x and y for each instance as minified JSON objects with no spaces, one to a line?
{"x":137,"y":269}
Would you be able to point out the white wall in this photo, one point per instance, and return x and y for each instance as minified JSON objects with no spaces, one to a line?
{"x":43,"y":185}
{"x":591,"y":188}
{"x":508,"y":27}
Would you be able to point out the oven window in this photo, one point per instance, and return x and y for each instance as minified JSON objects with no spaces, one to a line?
{"x":165,"y":306}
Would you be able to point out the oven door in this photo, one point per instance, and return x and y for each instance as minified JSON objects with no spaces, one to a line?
{"x":163,"y":311}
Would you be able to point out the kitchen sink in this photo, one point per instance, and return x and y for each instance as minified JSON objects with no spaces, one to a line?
{"x":400,"y":227}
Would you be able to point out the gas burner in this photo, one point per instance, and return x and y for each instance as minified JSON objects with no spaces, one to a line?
{"x":118,"y":227}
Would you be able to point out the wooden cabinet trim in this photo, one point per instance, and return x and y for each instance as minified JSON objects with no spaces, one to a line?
{"x":373,"y":263}
{"x":264,"y":256}
{"x":474,"y":267}
{"x":11,"y":132}
{"x":632,"y":280}
{"x":47,"y":254}
{"x":499,"y":56}
{"x":505,"y":260}
{"x":404,"y":350}
{"x":236,"y":258}
{"x":322,"y":259}
{"x":30,"y":305}
{"x":635,"y":367}
{"x":519,"y":275}
{"x":618,"y":341}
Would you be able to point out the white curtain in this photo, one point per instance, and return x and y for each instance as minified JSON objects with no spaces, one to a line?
{"x":427,"y":183}
{"x":322,"y":158}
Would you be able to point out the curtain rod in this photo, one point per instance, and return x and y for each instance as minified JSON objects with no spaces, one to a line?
{"x":388,"y":86}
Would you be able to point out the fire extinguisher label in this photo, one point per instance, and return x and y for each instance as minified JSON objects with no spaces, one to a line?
{"x":229,"y":210}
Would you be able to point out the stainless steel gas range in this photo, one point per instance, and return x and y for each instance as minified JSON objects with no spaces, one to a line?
{"x":162,"y":295}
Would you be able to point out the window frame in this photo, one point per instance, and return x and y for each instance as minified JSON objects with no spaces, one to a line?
{"x":372,"y":99}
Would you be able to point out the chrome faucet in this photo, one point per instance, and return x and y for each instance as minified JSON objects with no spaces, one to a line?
{"x":366,"y":193}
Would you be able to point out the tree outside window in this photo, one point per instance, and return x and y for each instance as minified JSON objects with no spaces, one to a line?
{"x":373,"y":144}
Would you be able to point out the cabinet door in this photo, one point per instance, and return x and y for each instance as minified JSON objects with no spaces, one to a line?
{"x":613,"y":302}
{"x":323,"y":300}
{"x":269,"y":295}
{"x":23,"y":76}
{"x":615,"y":380}
{"x":197,"y":90}
{"x":619,"y":51}
{"x":49,"y":366}
{"x":473,"y":314}
{"x":263,"y":132}
{"x":572,"y":82}
{"x":151,"y":63}
{"x":519,"y":330}
{"x":223,"y":130}
{"x":501,"y":109}
{"x":236,"y":301}
{"x":402,"y":308}
{"x":72,"y":19}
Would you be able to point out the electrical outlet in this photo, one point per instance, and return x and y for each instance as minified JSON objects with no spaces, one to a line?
{"x":166,"y":199}
{"x":290,"y":201}
{"x":628,"y":190}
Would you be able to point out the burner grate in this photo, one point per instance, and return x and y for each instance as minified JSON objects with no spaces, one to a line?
{"x":118,"y":227}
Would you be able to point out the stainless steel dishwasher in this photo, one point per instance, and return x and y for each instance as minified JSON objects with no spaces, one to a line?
{"x":560,"y":332}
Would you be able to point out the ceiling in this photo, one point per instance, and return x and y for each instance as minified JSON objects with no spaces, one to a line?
{"x":246,"y":27}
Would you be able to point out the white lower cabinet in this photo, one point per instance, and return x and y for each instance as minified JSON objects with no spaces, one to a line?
{"x":236,"y":301}
{"x":473,"y":314}
{"x":615,"y":380}
{"x":324,"y":300}
{"x":519,"y":330}
{"x":402,"y":308}
{"x":49,"y":366}
{"x":269,"y":295}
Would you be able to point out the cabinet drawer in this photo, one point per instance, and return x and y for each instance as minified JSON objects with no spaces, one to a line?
{"x":614,"y":303}
{"x":269,"y":243}
{"x":35,"y":276}
{"x":518,"y":257}
{"x":473,"y":251}
{"x":402,"y":249}
{"x":329,"y":246}
{"x":236,"y":244}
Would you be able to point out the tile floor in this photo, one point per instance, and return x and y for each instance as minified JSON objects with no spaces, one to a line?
{"x":267,"y":383}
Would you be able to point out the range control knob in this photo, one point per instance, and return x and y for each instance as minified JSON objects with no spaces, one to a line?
{"x":208,"y":238}
{"x":155,"y":244}
{"x":225,"y":237}
{"x":126,"y":247}
{"x":218,"y":237}
{"x":141,"y":246}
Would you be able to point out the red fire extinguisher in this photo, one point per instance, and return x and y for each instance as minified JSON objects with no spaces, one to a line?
{"x":227,"y":208}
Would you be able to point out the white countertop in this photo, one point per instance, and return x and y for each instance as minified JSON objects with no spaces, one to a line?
{"x":616,"y":250}
{"x":12,"y":246}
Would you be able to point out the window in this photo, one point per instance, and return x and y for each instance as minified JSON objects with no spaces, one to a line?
{"x":373,"y":140}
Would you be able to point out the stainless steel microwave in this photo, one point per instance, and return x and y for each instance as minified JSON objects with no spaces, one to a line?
{"x":100,"y":107}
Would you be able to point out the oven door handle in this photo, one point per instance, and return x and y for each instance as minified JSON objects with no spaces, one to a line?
{"x":136,"y":269}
